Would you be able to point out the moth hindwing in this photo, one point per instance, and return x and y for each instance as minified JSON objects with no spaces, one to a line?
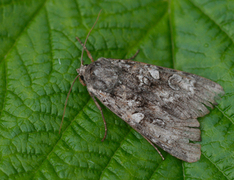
{"x":161,"y":104}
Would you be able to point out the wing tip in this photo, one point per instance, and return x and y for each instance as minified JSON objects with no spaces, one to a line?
{"x":194,"y":155}
{"x":188,"y":152}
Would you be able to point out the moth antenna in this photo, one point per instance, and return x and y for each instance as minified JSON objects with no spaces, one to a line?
{"x":66,"y":102}
{"x":88,"y":53}
{"x":84,"y":48}
{"x":88,"y":36}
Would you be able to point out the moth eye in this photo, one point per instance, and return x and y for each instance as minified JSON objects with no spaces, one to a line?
{"x":86,"y":65}
{"x":82,"y":78}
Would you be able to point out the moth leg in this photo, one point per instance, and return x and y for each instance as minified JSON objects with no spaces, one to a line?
{"x":88,"y":53}
{"x":133,"y":57}
{"x":154,"y":146}
{"x":99,"y":107}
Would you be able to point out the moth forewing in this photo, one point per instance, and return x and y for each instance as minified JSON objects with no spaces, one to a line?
{"x":161,"y":104}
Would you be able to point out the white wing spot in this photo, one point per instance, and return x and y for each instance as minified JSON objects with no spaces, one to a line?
{"x":137,"y":117}
{"x":154,"y":73}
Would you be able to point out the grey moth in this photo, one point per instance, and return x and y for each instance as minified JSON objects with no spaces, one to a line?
{"x":161,"y":104}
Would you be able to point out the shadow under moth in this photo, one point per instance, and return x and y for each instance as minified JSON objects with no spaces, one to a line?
{"x":161,"y":104}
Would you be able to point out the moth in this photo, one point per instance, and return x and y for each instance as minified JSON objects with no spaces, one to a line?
{"x":161,"y":104}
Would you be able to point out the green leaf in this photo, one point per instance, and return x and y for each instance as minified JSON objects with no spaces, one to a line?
{"x":39,"y":56}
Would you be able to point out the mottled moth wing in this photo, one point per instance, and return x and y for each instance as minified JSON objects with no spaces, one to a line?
{"x":160,"y":103}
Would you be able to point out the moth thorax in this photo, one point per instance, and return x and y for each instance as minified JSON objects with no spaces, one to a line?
{"x":102,"y":75}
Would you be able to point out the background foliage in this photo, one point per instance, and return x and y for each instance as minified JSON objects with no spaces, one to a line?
{"x":38,"y":58}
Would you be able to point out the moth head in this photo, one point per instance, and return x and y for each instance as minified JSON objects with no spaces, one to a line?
{"x":81,"y":72}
